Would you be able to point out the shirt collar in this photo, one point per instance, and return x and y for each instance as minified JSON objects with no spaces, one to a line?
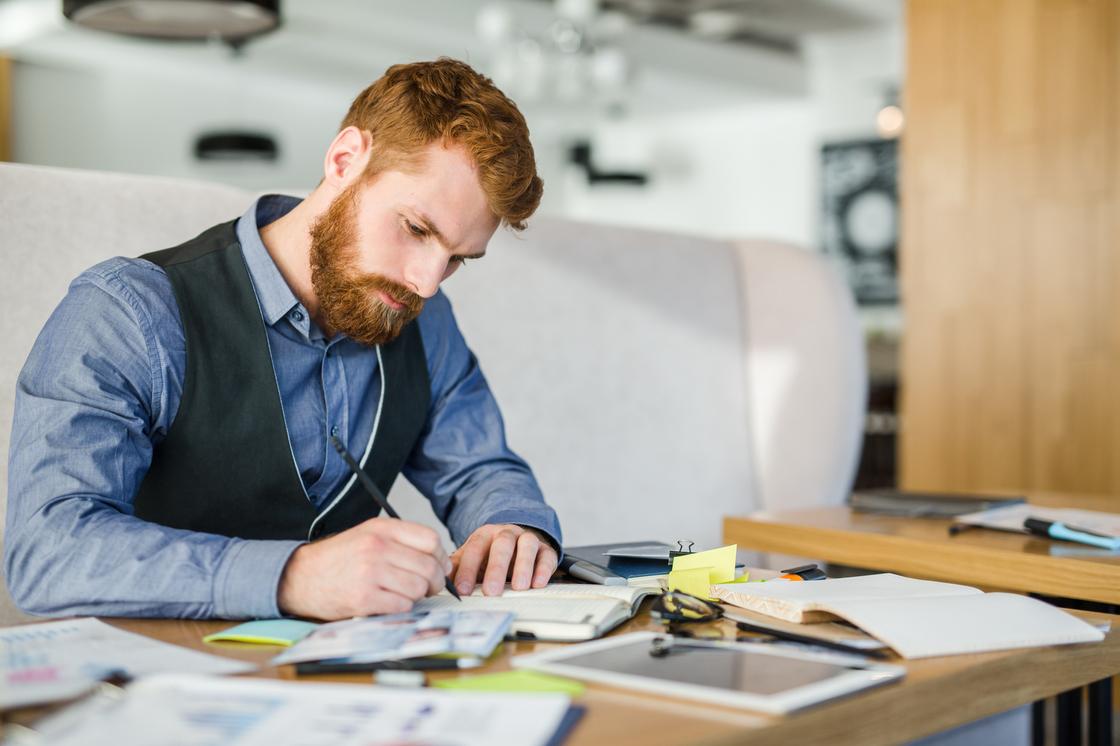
{"x":275,"y":297}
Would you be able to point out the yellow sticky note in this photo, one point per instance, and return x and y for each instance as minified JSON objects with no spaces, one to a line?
{"x":722,"y":562}
{"x":695,"y":581}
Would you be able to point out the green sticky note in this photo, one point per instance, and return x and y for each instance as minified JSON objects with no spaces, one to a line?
{"x":744,"y":578}
{"x":284,"y":632}
{"x":517,"y":681}
{"x":721,"y":561}
{"x":694,"y":581}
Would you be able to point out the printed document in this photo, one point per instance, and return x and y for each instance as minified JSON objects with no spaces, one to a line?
{"x":60,"y":660}
{"x":177,"y":710}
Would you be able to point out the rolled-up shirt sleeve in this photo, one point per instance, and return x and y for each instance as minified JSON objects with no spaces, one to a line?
{"x":462,"y":462}
{"x":90,"y":402}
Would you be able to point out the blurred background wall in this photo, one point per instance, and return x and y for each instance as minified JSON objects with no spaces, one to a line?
{"x":731,"y":118}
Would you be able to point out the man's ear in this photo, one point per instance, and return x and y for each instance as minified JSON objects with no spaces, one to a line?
{"x":346,"y":157}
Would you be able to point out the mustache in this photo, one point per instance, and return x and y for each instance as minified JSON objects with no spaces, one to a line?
{"x":371,"y":283}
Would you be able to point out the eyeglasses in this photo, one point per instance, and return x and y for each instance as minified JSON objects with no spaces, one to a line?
{"x":677,"y":606}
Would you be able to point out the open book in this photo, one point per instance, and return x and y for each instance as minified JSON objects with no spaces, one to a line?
{"x":918,"y":618}
{"x":562,"y":612}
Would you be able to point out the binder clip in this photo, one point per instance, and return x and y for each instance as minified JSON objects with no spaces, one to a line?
{"x":674,"y":553}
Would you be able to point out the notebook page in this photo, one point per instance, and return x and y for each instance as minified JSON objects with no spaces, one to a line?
{"x":558,"y":609}
{"x":950,"y":625}
{"x":627,"y":594}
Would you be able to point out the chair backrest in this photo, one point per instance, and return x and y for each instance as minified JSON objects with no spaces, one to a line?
{"x":654,"y":381}
{"x":617,"y":358}
{"x":806,"y":368}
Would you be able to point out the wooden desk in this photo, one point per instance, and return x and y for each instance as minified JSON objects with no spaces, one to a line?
{"x":922,"y":547}
{"x":936,"y":695}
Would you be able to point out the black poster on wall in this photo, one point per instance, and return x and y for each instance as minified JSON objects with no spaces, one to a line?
{"x":860,"y":204}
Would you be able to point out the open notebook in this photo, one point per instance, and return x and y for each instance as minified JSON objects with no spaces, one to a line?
{"x":918,"y":618}
{"x":562,"y":612}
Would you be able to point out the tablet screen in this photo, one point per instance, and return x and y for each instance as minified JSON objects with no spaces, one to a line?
{"x":734,"y":669}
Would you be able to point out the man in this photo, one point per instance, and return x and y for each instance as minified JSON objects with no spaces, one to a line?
{"x":171,"y":450}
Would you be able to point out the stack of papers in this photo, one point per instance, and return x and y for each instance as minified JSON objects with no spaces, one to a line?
{"x":400,"y":636}
{"x":202,"y":711}
{"x":54,"y":661}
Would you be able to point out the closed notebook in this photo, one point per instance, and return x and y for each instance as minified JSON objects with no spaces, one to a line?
{"x":917,"y":618}
{"x":564,"y":612}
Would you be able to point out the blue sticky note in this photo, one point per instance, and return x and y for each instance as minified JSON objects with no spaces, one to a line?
{"x":284,"y":632}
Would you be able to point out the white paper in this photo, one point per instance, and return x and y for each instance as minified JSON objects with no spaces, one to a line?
{"x":922,"y":618}
{"x":397,"y":636}
{"x":207,"y":711}
{"x":1011,"y":517}
{"x":592,"y":610}
{"x":59,"y":660}
{"x":925,"y":627}
{"x":813,"y":594}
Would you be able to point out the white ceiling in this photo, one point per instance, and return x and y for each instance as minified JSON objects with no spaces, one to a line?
{"x":345,"y":44}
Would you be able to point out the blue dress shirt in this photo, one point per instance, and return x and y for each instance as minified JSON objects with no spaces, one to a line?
{"x":101,"y":387}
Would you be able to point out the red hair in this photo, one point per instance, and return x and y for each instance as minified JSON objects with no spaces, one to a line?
{"x":416,"y":104}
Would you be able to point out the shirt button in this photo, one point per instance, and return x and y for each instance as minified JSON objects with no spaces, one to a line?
{"x":334,"y":431}
{"x":297,"y":315}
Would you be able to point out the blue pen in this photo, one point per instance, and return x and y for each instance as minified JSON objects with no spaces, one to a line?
{"x":1058,"y":530}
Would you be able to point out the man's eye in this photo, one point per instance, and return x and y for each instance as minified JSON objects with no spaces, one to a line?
{"x":415,"y":230}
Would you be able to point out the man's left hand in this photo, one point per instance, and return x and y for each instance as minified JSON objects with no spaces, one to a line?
{"x":495,"y":552}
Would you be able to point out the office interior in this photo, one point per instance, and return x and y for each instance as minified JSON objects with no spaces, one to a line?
{"x":951,"y":166}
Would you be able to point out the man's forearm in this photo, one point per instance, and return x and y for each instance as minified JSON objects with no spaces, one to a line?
{"x":509,"y":498}
{"x":81,"y":556}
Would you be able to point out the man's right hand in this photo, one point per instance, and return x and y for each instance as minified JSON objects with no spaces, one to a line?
{"x":380,"y":566}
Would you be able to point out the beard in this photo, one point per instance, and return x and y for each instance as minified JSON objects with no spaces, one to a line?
{"x":348,"y":298}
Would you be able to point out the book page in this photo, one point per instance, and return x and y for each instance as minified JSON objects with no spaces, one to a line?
{"x":565,"y":610}
{"x":795,"y":601}
{"x":950,"y":625}
{"x":627,"y":594}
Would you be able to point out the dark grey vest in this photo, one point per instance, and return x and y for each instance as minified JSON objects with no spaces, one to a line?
{"x":226,"y":466}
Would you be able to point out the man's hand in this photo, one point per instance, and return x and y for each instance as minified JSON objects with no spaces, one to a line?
{"x":379,"y":566}
{"x":498,"y":551}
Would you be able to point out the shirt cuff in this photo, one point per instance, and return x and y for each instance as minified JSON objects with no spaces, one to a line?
{"x":248,"y":579}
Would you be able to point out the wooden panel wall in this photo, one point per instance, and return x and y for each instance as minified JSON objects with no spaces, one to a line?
{"x":1010,"y":254}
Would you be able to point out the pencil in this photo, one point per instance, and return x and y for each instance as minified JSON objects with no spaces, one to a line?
{"x":375,"y":493}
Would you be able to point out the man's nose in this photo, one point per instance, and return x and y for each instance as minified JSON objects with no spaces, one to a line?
{"x":426,"y":273}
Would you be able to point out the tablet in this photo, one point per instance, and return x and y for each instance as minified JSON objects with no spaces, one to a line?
{"x":759,"y":677}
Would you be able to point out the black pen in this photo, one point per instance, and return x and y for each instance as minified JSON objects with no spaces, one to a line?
{"x":415,"y":664}
{"x":375,"y":493}
{"x":807,"y":640}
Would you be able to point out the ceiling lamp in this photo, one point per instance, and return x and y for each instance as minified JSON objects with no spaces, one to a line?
{"x":236,"y":146}
{"x":232,"y":21}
